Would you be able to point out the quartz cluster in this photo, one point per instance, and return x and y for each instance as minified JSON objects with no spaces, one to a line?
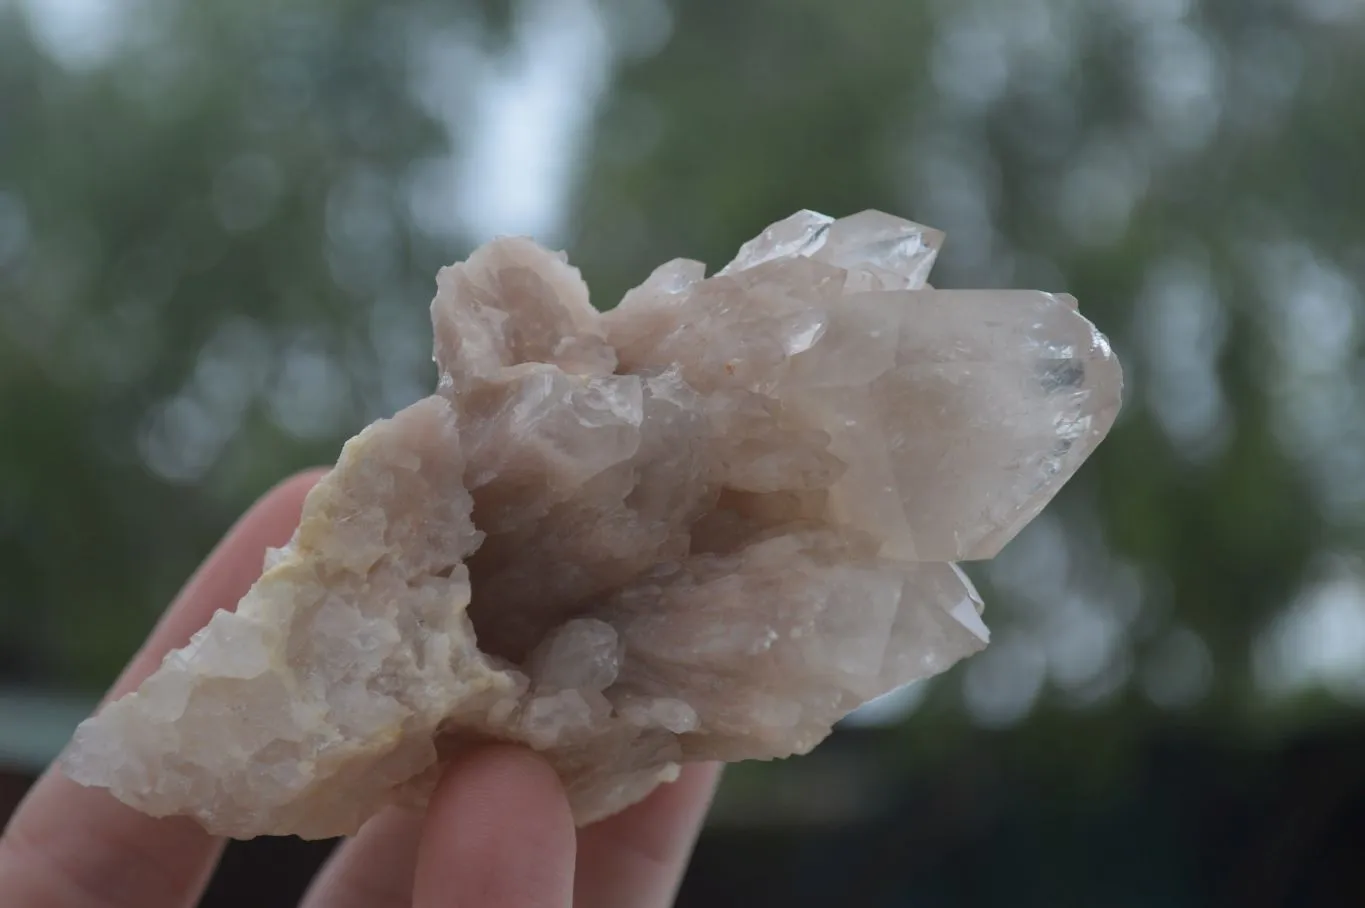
{"x":703,"y":525}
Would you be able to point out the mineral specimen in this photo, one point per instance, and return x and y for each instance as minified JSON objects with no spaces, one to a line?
{"x":704,"y":525}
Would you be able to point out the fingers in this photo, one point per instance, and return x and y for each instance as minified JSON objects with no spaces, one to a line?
{"x":73,"y":847}
{"x":636,"y":859}
{"x":373,"y":870}
{"x":633,"y":860}
{"x":498,"y":834}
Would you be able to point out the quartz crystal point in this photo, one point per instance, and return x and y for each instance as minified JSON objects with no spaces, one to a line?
{"x":704,"y":525}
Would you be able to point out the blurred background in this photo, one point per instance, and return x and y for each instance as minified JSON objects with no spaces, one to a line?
{"x":220,"y":223}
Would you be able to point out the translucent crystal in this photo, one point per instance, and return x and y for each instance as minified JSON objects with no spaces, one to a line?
{"x":704,"y":525}
{"x":881,"y":252}
{"x":799,"y":235}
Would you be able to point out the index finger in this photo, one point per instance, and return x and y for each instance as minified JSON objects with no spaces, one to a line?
{"x":69,"y":846}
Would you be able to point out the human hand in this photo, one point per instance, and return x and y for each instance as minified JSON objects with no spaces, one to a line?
{"x":497,"y":833}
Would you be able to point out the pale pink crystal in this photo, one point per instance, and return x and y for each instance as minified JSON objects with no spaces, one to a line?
{"x":704,"y":525}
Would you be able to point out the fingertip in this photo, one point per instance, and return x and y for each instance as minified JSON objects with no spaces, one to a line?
{"x":661,"y":828}
{"x":276,"y":514}
{"x":498,"y":834}
{"x":295,"y":488}
{"x":636,"y":858}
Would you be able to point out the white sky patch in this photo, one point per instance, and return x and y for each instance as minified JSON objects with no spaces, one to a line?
{"x":1313,"y":317}
{"x":1181,"y":326}
{"x":1319,"y":641}
{"x":78,"y":34}
{"x":1001,"y":683}
{"x":531,"y":117}
{"x":1097,"y":194}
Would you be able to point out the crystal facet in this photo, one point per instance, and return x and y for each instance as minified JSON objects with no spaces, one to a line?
{"x":704,"y":525}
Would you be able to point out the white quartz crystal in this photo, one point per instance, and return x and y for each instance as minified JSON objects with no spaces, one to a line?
{"x":704,"y":525}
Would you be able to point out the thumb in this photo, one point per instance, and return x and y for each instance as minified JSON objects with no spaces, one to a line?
{"x":498,"y":834}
